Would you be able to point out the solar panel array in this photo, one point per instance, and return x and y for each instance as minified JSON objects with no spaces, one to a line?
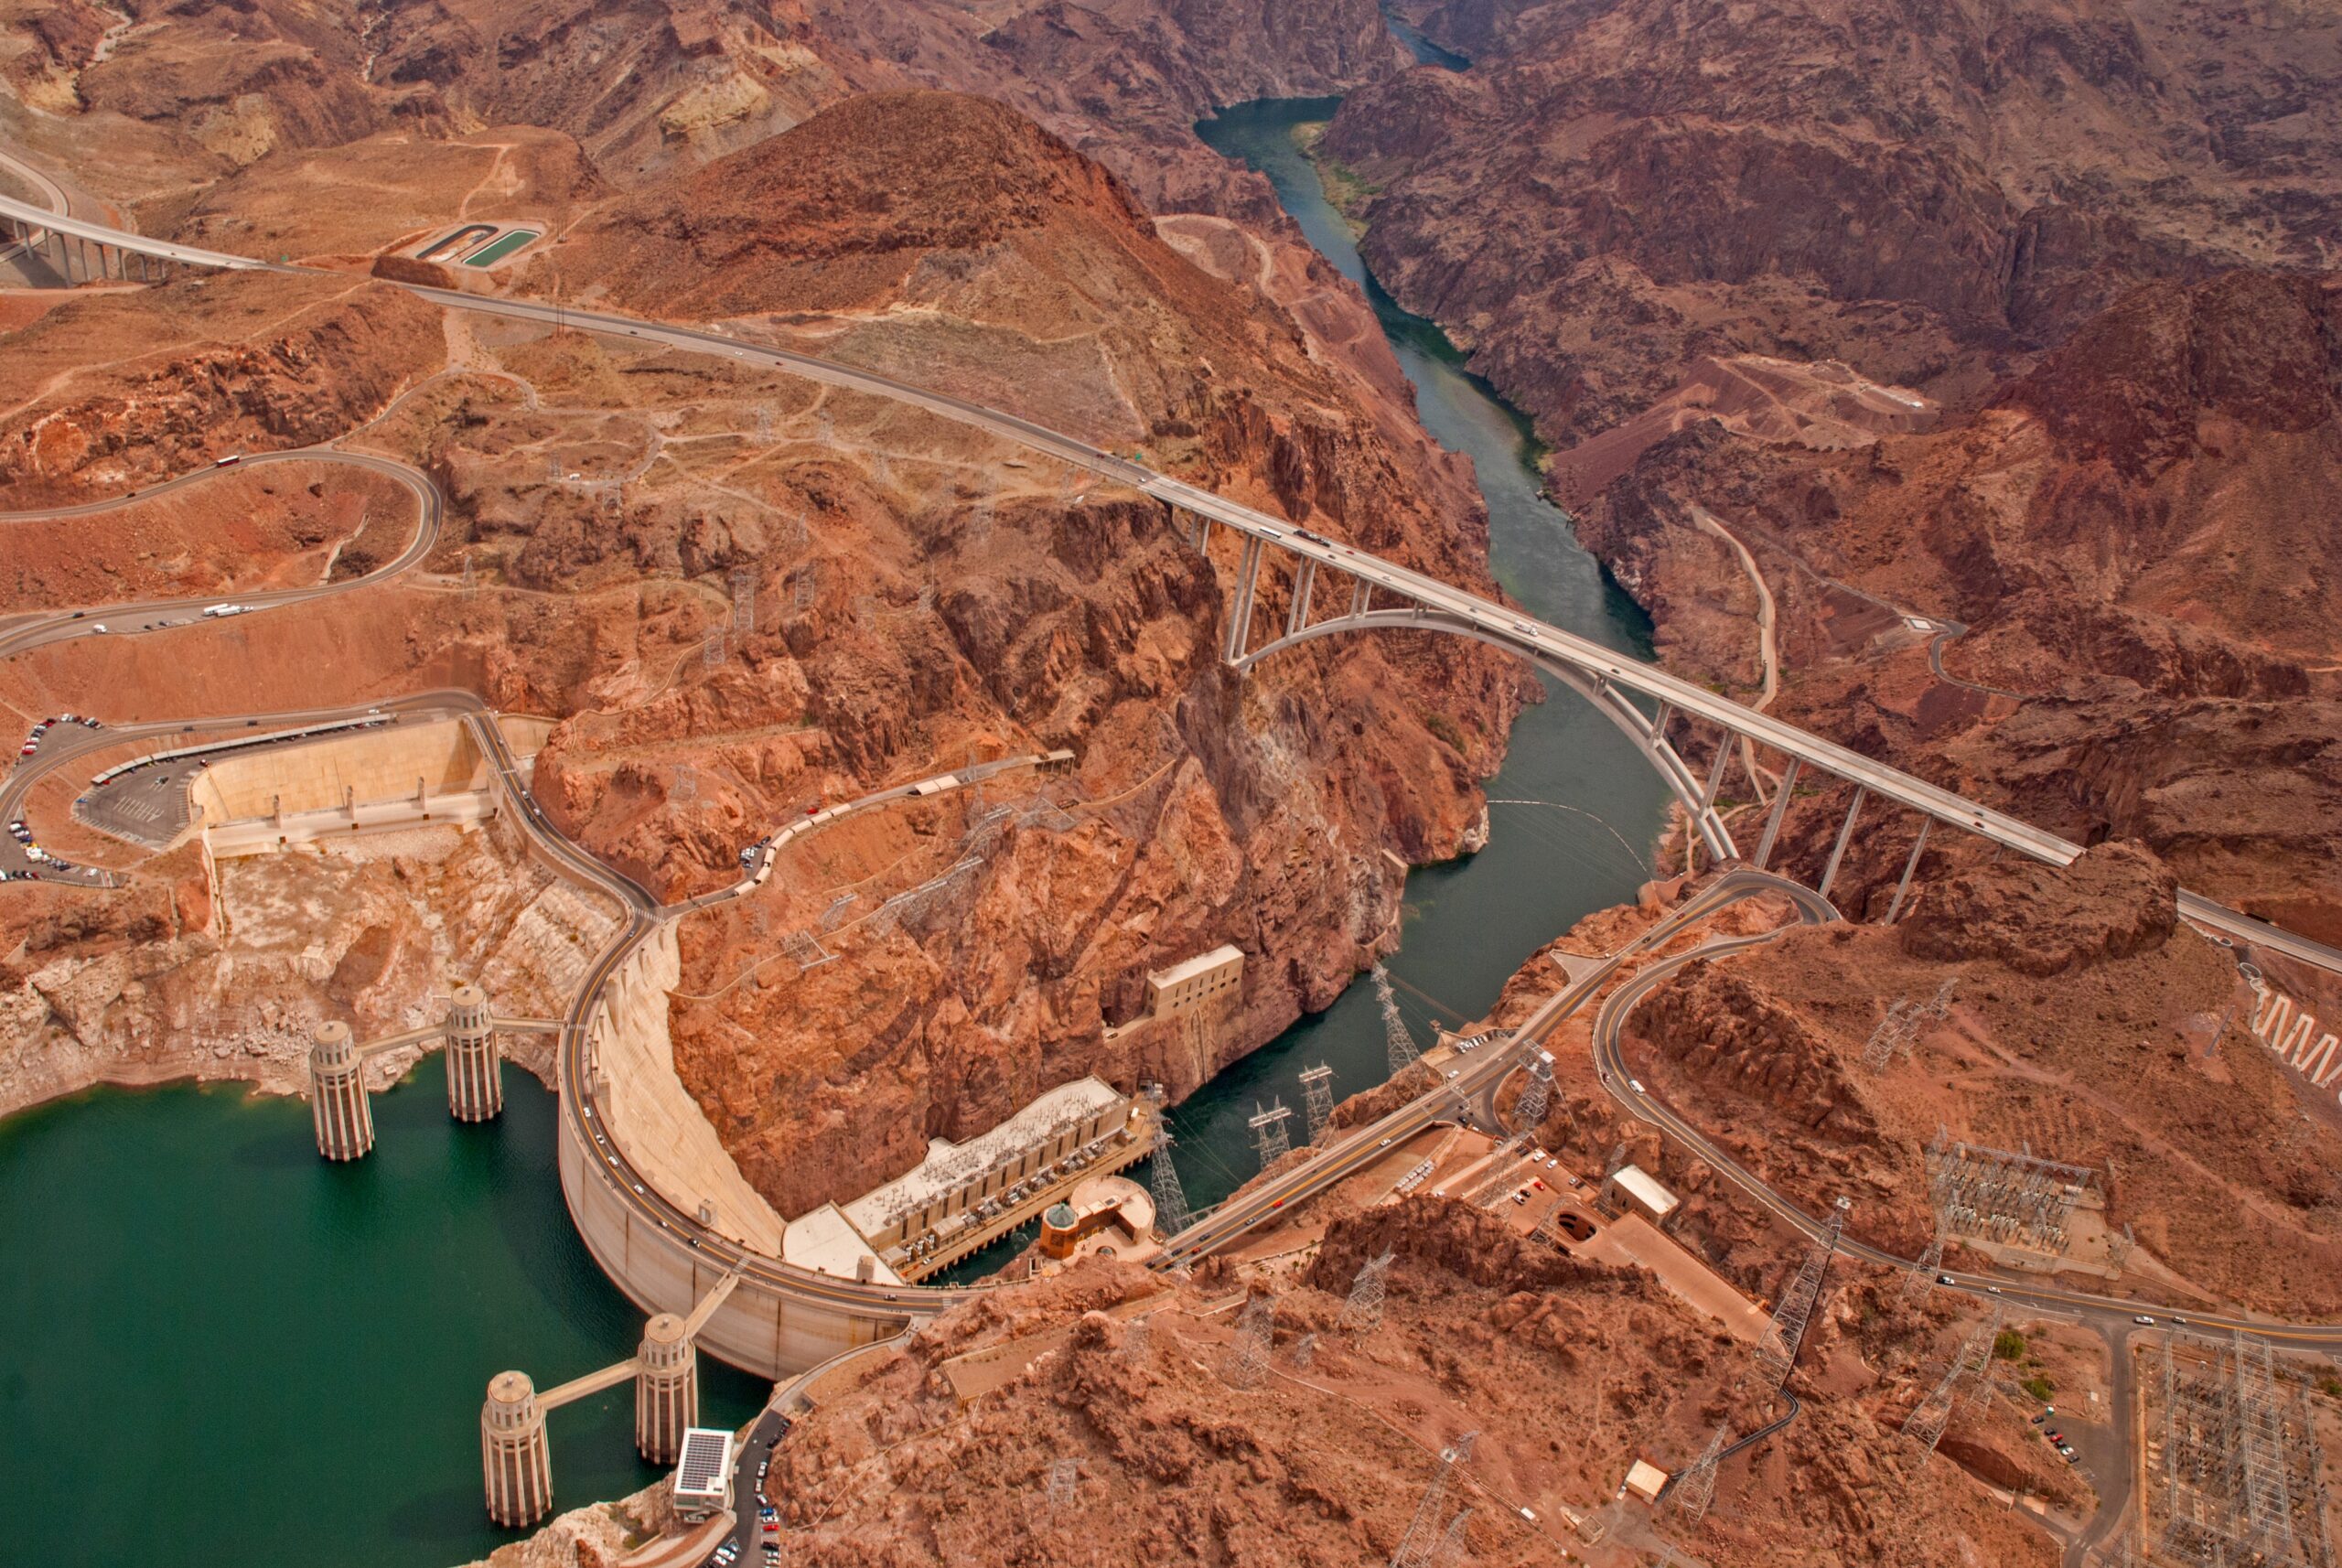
{"x":707,"y":1454}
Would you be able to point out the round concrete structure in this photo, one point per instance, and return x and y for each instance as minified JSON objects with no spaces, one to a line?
{"x":666,"y":1388}
{"x":345,"y":1121}
{"x":475,"y":1084}
{"x":514,"y":1458}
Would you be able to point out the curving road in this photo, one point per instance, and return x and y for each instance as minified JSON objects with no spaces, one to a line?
{"x":139,"y":615}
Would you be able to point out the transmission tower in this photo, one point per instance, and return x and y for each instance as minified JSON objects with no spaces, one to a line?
{"x":1063,"y":1474}
{"x":1921,"y":1275}
{"x":1420,"y":1546}
{"x":1529,"y":1111}
{"x":1400,"y":1044}
{"x":1925,"y":1425}
{"x":1305,"y":1350}
{"x":1363,"y":1310}
{"x":1777,"y":1350}
{"x":1451,"y":1545}
{"x":1269,"y":1136}
{"x":1317,"y":1099}
{"x":1134,"y":1341}
{"x":1893,"y":1032}
{"x":744,"y":600}
{"x":1246,"y":1360}
{"x":1170,"y":1197}
{"x":1695,"y":1488}
{"x":807,"y":952}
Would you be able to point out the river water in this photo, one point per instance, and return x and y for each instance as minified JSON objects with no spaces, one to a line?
{"x":1469,"y":924}
{"x":216,"y":1348}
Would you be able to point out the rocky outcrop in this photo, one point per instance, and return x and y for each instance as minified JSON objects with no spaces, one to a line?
{"x":2117,"y":899}
{"x":1614,"y":190}
{"x":2121,"y":534}
{"x":116,"y":409}
{"x":1729,"y":1031}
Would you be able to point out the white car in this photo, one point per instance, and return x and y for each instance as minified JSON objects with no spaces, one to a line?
{"x":1636,"y":1084}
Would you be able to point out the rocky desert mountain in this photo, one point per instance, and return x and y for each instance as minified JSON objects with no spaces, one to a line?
{"x":1932,"y":193}
{"x":796,"y":513}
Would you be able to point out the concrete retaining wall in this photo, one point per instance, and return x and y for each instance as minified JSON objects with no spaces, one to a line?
{"x":372,"y":766}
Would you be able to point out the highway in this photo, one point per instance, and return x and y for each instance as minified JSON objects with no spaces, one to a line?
{"x":1597,"y":670}
{"x":139,"y":615}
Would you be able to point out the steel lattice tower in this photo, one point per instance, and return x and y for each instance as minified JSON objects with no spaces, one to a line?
{"x":1451,"y":1545}
{"x":1399,"y":1045}
{"x":1529,"y":1111}
{"x":1246,"y":1360}
{"x":1317,"y":1099}
{"x":1777,"y":1350}
{"x":1170,"y":1198}
{"x":1921,"y":1275}
{"x":1363,"y":1310}
{"x":1269,"y":1136}
{"x":1419,"y":1547}
{"x":1925,"y":1425}
{"x":1063,"y":1475}
{"x":1695,"y":1488}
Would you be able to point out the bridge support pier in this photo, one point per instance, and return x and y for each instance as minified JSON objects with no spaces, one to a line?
{"x":1296,"y":614}
{"x":666,"y":1388}
{"x":337,"y":1106}
{"x":515,"y":1459}
{"x":475,"y":1086}
{"x":1909,"y":866}
{"x":1240,"y":611}
{"x":1773,"y":819}
{"x":1837,"y":850}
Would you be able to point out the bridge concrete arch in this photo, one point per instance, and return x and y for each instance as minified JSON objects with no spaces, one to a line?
{"x":1648,"y":735}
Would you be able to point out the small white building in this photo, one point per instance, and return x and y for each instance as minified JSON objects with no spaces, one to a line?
{"x":1652,"y":1200}
{"x":1646,"y":1481}
{"x":703,"y":1474}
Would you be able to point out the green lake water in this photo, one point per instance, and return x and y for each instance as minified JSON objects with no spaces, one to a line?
{"x":218,"y":1349}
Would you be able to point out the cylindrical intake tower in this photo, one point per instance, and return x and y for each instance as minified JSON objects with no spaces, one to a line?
{"x":666,"y":1388}
{"x":345,"y":1121}
{"x":513,"y":1452}
{"x":475,"y":1086}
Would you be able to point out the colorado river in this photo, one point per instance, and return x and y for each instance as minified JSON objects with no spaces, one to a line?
{"x":1467,"y":926}
{"x":226,"y":1350}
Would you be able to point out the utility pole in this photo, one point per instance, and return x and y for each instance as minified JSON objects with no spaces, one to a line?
{"x":1317,"y":1099}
